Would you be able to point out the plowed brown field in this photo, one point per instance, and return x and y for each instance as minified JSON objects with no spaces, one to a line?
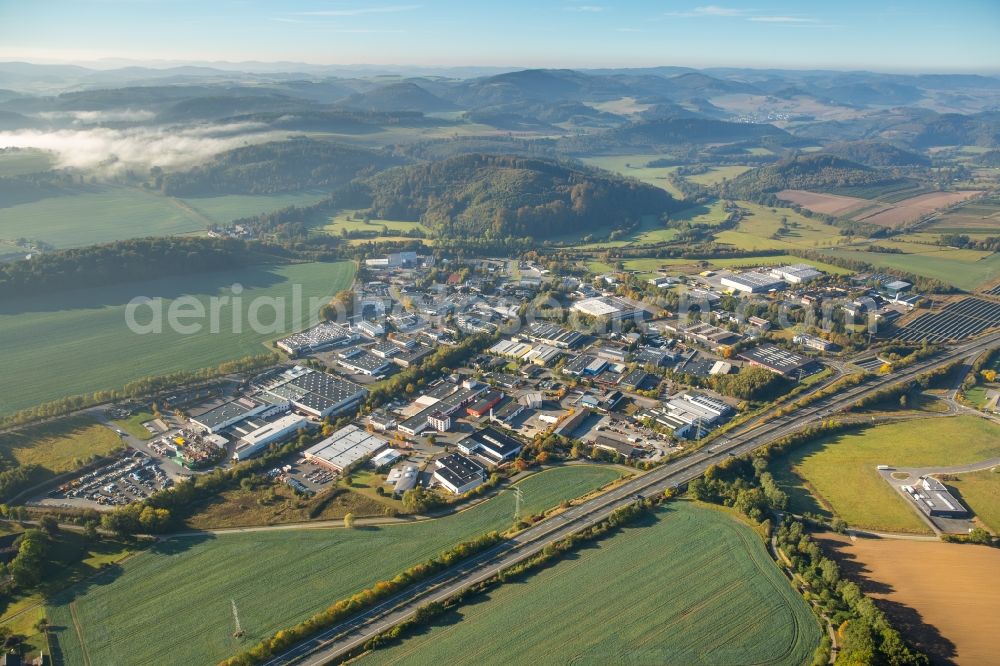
{"x":944,"y":597}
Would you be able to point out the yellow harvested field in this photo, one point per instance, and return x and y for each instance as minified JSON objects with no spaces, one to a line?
{"x":942,"y":596}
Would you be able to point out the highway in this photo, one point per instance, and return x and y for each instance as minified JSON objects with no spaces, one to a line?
{"x":341,"y":639}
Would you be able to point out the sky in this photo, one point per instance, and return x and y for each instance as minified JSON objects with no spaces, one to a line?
{"x":908,"y":35}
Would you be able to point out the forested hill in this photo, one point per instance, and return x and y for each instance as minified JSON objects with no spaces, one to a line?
{"x":877,"y":154}
{"x":804,"y":172}
{"x":281,"y":166}
{"x":123,"y":261}
{"x":495,"y":196}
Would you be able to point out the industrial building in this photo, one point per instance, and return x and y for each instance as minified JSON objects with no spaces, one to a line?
{"x":360,"y":362}
{"x":554,"y":335}
{"x":796,"y":273}
{"x":752,"y":282}
{"x":812,"y":342}
{"x":933,"y":498}
{"x":345,"y":449}
{"x":616,"y":446}
{"x":231,"y":413}
{"x":458,"y":473}
{"x":611,"y":307}
{"x":322,"y":336}
{"x":688,"y":414}
{"x":491,"y":443}
{"x":256,"y":441}
{"x":442,"y":401}
{"x":315,"y":393}
{"x":776,"y":359}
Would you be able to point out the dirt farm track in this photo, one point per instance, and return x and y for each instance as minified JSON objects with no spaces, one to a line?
{"x":945,"y":597}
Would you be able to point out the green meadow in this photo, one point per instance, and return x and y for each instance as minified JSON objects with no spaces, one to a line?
{"x":79,"y":342}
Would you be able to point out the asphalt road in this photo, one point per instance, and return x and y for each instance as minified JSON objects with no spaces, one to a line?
{"x":342,"y":638}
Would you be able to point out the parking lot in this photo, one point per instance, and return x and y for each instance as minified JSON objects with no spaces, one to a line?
{"x":130,"y":477}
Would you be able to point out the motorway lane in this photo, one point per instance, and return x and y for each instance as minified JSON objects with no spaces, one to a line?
{"x":341,"y":639}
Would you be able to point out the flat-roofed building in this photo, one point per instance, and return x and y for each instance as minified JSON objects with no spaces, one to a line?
{"x":228,"y":414}
{"x":554,"y":335}
{"x":321,"y":336}
{"x":611,"y":307}
{"x":796,"y":273}
{"x":933,"y":498}
{"x":776,"y":359}
{"x":617,"y":446}
{"x":315,"y":393}
{"x":256,"y":441}
{"x":360,"y":362}
{"x":490,"y":442}
{"x":345,"y":449}
{"x":458,"y":473}
{"x":752,"y":282}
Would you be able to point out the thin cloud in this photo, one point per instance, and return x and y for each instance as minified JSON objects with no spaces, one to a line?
{"x":386,"y":9}
{"x":585,"y":8}
{"x":781,"y":19}
{"x":709,"y":10}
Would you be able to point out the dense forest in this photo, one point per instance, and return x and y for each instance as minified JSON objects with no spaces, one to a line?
{"x":496,"y":196}
{"x":804,"y":172}
{"x":876,"y":154}
{"x":140,"y":259}
{"x":280,"y":166}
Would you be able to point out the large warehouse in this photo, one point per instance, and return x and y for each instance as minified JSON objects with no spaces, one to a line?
{"x":611,"y":307}
{"x":315,"y":393}
{"x":254,"y":442}
{"x":752,"y":282}
{"x":345,"y":449}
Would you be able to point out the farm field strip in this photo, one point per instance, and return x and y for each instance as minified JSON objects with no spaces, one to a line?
{"x":171,"y":605}
{"x":79,"y":342}
{"x":957,"y":267}
{"x":688,"y":599}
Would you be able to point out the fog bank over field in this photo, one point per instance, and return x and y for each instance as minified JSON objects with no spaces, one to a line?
{"x":110,"y":152}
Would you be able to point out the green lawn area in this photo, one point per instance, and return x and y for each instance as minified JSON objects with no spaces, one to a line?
{"x":89,"y":214}
{"x":225,"y":209}
{"x":718,"y":174}
{"x":965,"y":269}
{"x":343,"y":221}
{"x":761,"y":230}
{"x":837,"y":475}
{"x":981,"y":492}
{"x":133,"y":425}
{"x":690,"y":586}
{"x":59,"y":446}
{"x":171,"y":605}
{"x":634,"y":166}
{"x":78,"y":341}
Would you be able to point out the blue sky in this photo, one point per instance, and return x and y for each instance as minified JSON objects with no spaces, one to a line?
{"x":917,"y":35}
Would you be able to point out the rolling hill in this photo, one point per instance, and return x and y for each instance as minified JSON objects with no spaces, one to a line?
{"x":876,"y":154}
{"x":402,"y":96}
{"x":280,"y":166}
{"x":804,"y":172}
{"x":497,"y":196}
